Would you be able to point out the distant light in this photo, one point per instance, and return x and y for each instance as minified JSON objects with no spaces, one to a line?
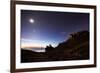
{"x":34,"y":30}
{"x":31,"y":20}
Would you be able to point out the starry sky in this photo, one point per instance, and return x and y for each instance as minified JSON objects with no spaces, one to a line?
{"x":41,"y":28}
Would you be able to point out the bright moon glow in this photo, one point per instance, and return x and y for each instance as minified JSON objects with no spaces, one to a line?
{"x":31,"y":20}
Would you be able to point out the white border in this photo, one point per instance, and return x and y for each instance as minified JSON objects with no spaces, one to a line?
{"x":53,"y":64}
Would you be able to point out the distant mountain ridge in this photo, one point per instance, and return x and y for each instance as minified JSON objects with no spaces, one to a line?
{"x":75,"y":48}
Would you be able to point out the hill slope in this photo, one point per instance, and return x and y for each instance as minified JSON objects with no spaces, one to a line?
{"x":75,"y":48}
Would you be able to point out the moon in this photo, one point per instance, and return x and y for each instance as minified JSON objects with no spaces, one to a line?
{"x":31,"y":20}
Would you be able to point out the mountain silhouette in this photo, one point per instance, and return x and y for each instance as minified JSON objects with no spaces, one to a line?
{"x":74,"y":48}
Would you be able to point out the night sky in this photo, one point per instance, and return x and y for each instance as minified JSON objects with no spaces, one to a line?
{"x":41,"y":28}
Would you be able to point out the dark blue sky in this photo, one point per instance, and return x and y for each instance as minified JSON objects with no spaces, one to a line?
{"x":50,"y":27}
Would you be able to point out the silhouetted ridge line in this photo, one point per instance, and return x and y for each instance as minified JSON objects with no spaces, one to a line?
{"x":75,"y":48}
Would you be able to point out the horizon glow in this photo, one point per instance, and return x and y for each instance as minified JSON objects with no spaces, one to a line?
{"x":27,"y":43}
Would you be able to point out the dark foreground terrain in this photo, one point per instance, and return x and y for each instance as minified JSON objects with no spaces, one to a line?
{"x":75,"y":48}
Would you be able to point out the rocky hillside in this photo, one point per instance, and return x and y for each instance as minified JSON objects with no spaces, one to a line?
{"x":74,"y":48}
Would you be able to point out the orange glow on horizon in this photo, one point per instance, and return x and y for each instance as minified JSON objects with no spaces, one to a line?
{"x":32,"y":46}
